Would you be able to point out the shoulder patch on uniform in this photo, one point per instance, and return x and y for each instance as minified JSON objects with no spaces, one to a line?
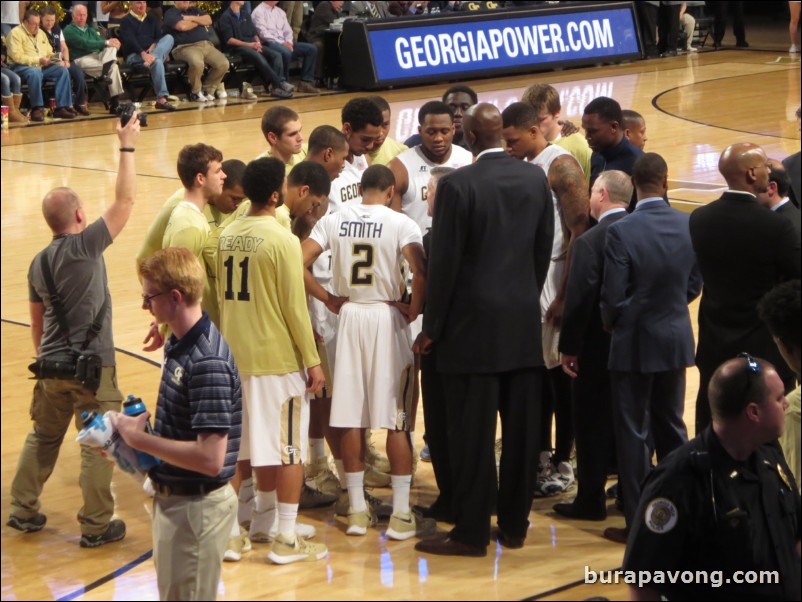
{"x":661,"y":515}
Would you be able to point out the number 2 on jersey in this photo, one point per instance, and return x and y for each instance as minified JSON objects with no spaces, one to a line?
{"x":359,"y":275}
{"x":243,"y":294}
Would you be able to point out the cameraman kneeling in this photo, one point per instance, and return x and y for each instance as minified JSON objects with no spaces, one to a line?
{"x":70,"y":309}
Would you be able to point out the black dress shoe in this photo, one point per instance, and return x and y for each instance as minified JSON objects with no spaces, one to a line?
{"x":508,"y":541}
{"x":616,"y":534}
{"x":434,"y":512}
{"x":742,"y":44}
{"x":450,"y":547}
{"x":81,"y":110}
{"x":577,"y":512}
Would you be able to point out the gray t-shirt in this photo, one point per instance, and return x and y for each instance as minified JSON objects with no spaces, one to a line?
{"x":79,"y":271}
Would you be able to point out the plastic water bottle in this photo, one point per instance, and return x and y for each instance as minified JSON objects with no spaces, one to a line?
{"x":134,"y":406}
{"x":99,"y":432}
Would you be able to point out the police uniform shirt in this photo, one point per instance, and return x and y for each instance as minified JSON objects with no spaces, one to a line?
{"x":413,"y":202}
{"x":262,"y":298}
{"x":366,"y":242}
{"x":703,"y":511}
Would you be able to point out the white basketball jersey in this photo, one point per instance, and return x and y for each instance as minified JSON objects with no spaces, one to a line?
{"x":366,"y":243}
{"x":413,"y":203}
{"x":345,"y":189}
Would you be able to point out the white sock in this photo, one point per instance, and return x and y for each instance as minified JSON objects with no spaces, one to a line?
{"x":356,"y":490}
{"x":234,"y":527}
{"x":338,"y":466}
{"x":266,"y":501}
{"x":317,"y":447}
{"x":287,"y":514}
{"x":245,"y":501}
{"x":246,"y":490}
{"x":412,"y":441}
{"x":401,"y":486}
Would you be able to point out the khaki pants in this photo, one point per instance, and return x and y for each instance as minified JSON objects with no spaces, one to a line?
{"x":92,"y":65}
{"x":196,"y":56}
{"x":190,"y":534}
{"x":55,"y":403}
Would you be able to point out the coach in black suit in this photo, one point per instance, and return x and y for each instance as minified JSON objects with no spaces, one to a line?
{"x":650,"y":276}
{"x":793,"y":165}
{"x":585,"y":349}
{"x":776,"y":197}
{"x":490,"y":251}
{"x":744,"y":250}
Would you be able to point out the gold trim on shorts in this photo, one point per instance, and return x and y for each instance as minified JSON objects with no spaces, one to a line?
{"x":328,"y":388}
{"x":404,"y":399}
{"x":291,"y":431}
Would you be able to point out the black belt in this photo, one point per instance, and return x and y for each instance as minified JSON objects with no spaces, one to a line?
{"x":187,"y":488}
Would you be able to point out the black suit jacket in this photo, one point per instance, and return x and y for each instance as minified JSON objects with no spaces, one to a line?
{"x":582,"y":330}
{"x":792,"y":214}
{"x":491,"y":248}
{"x":793,"y":165}
{"x":744,"y":249}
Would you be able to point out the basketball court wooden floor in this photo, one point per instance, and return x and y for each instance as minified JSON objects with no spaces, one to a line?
{"x":694,"y":106}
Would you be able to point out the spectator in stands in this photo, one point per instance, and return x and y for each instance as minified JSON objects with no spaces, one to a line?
{"x":143,"y":44}
{"x":687,"y":23}
{"x":325,"y":14}
{"x":116,"y":12}
{"x":192,"y":44}
{"x":93,"y":53}
{"x":295,"y":17}
{"x":274,"y":30}
{"x":29,"y":54}
{"x":12,"y":92}
{"x":634,"y":127}
{"x":56,"y":38}
{"x":12,"y":15}
{"x":239,"y":35}
{"x":385,"y":149}
{"x":793,"y":165}
{"x":370,"y":9}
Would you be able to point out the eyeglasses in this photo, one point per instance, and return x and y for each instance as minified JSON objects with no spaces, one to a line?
{"x":146,"y":299}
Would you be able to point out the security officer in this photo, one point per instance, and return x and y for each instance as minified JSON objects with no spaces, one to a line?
{"x":726,"y":501}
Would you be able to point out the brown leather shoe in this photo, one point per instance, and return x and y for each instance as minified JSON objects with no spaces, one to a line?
{"x":81,"y":110}
{"x":63,"y":113}
{"x":307,"y":88}
{"x":449,"y":547}
{"x":38,"y":114}
{"x":616,"y":534}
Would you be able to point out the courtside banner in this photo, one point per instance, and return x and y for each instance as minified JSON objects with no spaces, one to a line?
{"x":500,"y":41}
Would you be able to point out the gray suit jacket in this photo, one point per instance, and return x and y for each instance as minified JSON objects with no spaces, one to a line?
{"x":362,"y":9}
{"x":650,"y":276}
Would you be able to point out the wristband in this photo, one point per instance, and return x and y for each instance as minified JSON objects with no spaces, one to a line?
{"x":127,"y":149}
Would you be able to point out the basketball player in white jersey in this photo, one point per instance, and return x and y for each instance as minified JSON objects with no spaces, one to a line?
{"x":362,"y":121}
{"x":525,"y":141}
{"x":412,"y":167}
{"x":373,"y":373}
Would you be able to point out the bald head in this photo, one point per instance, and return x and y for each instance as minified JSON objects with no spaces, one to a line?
{"x":745,"y":167}
{"x":59,"y":207}
{"x":482,"y":126}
